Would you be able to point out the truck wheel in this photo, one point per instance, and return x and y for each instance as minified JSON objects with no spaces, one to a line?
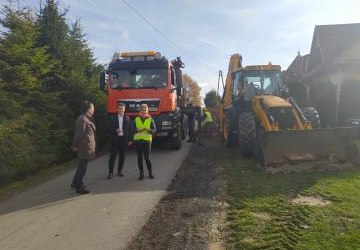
{"x":184,"y":132}
{"x":176,"y":142}
{"x":246,"y":133}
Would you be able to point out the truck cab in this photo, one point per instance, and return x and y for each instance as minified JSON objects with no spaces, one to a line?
{"x":135,"y":78}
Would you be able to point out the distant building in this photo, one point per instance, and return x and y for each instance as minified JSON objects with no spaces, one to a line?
{"x":334,"y":55}
{"x":297,"y":68}
{"x":334,"y":58}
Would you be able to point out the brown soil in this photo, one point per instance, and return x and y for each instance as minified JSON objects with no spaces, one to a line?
{"x":192,"y":215}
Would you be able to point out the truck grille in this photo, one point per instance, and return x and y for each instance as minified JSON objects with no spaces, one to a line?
{"x":133,"y":105}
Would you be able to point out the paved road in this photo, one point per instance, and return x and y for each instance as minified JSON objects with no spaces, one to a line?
{"x":52,"y":216}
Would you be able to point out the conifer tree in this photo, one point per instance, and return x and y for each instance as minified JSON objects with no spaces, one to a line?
{"x":211,"y":98}
{"x":22,"y":63}
{"x":53,"y":28}
{"x":54,"y":31}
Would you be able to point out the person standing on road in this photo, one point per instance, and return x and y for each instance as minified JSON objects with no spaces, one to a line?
{"x":144,"y":127}
{"x":191,"y":123}
{"x":119,"y":133}
{"x":84,"y":144}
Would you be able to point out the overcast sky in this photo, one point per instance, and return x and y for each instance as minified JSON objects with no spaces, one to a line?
{"x":205,"y":32}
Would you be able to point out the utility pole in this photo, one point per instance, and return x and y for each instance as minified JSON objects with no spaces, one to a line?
{"x":220,"y":77}
{"x":338,"y":91}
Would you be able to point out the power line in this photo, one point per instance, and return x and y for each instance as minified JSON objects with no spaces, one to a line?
{"x":151,"y":25}
{"x":201,"y":62}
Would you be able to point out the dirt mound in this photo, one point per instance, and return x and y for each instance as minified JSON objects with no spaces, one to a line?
{"x":310,"y":201}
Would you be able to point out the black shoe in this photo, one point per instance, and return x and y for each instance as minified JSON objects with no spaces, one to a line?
{"x":141,"y":177}
{"x":82,"y":191}
{"x":121,"y":174}
{"x":110,"y":176}
{"x":151,"y":176}
{"x":73,"y":186}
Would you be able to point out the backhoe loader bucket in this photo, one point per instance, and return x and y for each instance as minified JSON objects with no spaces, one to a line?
{"x":294,"y":146}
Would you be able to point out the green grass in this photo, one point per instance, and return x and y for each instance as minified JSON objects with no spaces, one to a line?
{"x":262,"y":215}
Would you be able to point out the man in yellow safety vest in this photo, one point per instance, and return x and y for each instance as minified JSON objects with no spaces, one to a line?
{"x":207,"y":121}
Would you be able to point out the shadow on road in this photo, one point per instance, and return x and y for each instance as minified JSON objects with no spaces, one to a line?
{"x":57,"y":191}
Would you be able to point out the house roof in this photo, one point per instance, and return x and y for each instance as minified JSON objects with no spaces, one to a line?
{"x":294,"y":63}
{"x":335,"y":39}
{"x":332,"y":43}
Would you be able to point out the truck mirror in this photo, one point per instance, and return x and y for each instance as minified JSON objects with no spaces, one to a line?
{"x":102,"y":81}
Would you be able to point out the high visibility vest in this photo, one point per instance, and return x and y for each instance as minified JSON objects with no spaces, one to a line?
{"x":208,"y":118}
{"x":143,"y":135}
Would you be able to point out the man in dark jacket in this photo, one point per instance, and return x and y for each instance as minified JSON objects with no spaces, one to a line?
{"x":119,"y":133}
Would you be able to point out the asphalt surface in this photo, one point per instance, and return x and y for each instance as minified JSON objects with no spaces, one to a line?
{"x":52,"y":216}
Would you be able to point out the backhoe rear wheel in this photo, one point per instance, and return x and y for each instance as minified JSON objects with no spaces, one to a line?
{"x":246,"y":133}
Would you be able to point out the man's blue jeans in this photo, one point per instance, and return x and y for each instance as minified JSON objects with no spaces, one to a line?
{"x":80,"y":173}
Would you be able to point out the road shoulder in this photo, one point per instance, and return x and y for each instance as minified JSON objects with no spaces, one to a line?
{"x":192,"y":214}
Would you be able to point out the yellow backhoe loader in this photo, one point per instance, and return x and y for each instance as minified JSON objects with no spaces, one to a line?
{"x":255,"y":115}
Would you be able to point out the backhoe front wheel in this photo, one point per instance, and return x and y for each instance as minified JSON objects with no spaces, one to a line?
{"x":247,"y":133}
{"x":259,"y":148}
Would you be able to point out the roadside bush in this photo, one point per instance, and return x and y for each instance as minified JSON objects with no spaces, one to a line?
{"x":47,"y":71}
{"x":18,"y":154}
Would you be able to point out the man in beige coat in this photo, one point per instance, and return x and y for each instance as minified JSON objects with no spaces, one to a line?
{"x":84,"y":144}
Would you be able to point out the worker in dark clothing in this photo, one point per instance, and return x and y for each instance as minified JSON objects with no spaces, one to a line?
{"x":191,"y":123}
{"x":119,"y":134}
{"x":198,"y":129}
{"x":144,"y":127}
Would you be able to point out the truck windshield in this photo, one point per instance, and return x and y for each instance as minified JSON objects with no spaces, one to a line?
{"x":138,"y":78}
{"x":271,"y":78}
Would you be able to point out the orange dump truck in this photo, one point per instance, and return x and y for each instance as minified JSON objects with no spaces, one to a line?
{"x":135,"y":78}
